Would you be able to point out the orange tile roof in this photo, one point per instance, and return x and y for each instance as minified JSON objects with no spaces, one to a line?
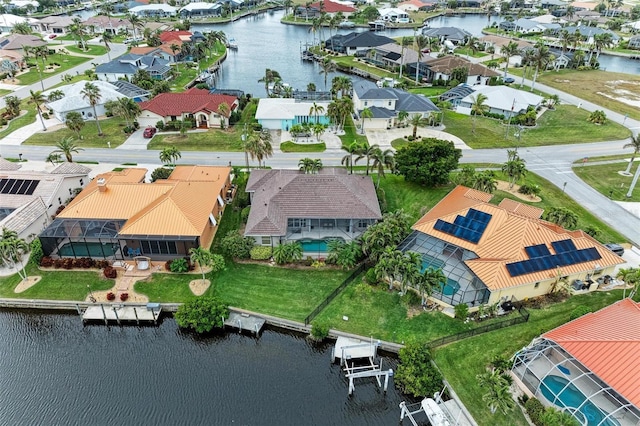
{"x":191,"y":101}
{"x":509,"y":231}
{"x":607,"y":342}
{"x":179,"y":205}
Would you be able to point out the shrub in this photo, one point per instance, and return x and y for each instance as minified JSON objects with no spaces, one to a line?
{"x":535,"y":410}
{"x":111,"y":296}
{"x":363,"y":290}
{"x":415,"y":374}
{"x":579,"y":311}
{"x":36,"y":252}
{"x":237,"y":246}
{"x":46,"y":262}
{"x":244,"y":214}
{"x":110,"y":272}
{"x":370,"y":277}
{"x":124,"y":296}
{"x":532,"y":190}
{"x":411,"y":298}
{"x":160,"y":173}
{"x":101,"y":264}
{"x":260,"y":253}
{"x":67,"y":263}
{"x":45,"y":115}
{"x":160,"y":125}
{"x":202,"y":314}
{"x":319,"y":331}
{"x":179,"y":266}
{"x":461,"y":310}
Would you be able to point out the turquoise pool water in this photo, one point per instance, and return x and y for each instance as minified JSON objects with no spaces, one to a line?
{"x":317,"y":246}
{"x":431,"y":262}
{"x":555,"y":389}
{"x":86,"y":250}
{"x":450,"y":288}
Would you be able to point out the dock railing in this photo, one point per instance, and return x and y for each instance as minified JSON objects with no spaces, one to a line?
{"x":333,"y":294}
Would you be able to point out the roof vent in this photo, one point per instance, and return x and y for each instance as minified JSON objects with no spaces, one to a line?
{"x":102,"y":184}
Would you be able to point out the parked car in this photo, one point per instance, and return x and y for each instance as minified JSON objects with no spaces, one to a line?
{"x":616,"y":248}
{"x":509,"y":80}
{"x":149,"y":132}
{"x":52,"y":36}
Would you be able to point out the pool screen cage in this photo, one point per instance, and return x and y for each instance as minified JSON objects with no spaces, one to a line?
{"x":462,"y":284}
{"x":557,"y":379}
{"x":82,"y":238}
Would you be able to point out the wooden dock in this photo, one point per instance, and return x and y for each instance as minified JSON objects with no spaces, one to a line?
{"x":122,"y":313}
{"x":243,"y":321}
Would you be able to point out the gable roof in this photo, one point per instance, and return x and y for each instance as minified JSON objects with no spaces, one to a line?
{"x":181,"y":36}
{"x":448,"y":63}
{"x":451,"y":33}
{"x":191,"y":101}
{"x":74,"y":99}
{"x":505,"y":98}
{"x":363,"y":39}
{"x":607,"y":342}
{"x":105,"y":21}
{"x":505,"y":237}
{"x":333,"y":7}
{"x":286,"y":108}
{"x":18,"y":41}
{"x":125,"y":64}
{"x":331,"y":194}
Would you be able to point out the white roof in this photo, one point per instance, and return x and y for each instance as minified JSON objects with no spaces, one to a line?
{"x":391,"y":11}
{"x":23,"y":3}
{"x":11,"y":20}
{"x":284,"y":108}
{"x":503,"y":97}
{"x":200,"y":6}
{"x":548,"y":19}
{"x":74,"y":100}
{"x":164,"y":7}
{"x":634,"y":25}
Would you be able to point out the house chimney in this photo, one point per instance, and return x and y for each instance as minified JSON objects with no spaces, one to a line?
{"x":102,"y":185}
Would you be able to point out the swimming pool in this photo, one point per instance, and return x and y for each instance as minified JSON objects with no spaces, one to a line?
{"x":450,"y":288}
{"x":317,"y":246}
{"x":431,"y":262}
{"x":89,"y":249}
{"x":556,"y":391}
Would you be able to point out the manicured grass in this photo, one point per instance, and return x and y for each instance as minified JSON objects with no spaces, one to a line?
{"x":111,"y":127}
{"x":302,"y":147}
{"x":75,"y":79}
{"x":56,"y":285}
{"x":460,"y":362}
{"x":351,"y":134}
{"x":399,"y":143}
{"x":66,"y":62}
{"x":429,"y":92}
{"x":564,"y":125}
{"x":5,"y":92}
{"x":283,"y":292}
{"x":21,"y":121}
{"x":465,"y":52}
{"x":188,"y":72}
{"x":92,"y":50}
{"x":605,"y":179}
{"x":350,"y":61}
{"x":593,"y":85}
{"x":414,"y":199}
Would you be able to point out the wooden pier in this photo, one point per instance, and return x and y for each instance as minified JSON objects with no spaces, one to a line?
{"x":121,"y":313}
{"x":242,"y":321}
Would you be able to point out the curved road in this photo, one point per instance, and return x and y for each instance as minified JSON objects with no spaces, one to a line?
{"x":551,"y":162}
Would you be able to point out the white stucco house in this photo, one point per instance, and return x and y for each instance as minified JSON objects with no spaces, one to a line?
{"x":501,"y":100}
{"x":282,"y":113}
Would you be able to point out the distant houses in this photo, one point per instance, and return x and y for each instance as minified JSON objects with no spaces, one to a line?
{"x":127,"y":65}
{"x":356,"y":43}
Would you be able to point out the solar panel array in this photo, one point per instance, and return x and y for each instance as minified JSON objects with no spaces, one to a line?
{"x":469,"y":227}
{"x":540,"y":259}
{"x":18,"y":186}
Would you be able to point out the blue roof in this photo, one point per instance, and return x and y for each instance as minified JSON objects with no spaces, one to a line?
{"x":125,"y":65}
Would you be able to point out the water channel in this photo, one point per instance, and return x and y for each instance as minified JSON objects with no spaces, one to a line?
{"x":54,"y":371}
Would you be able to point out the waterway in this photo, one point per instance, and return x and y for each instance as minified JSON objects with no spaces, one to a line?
{"x":54,"y":370}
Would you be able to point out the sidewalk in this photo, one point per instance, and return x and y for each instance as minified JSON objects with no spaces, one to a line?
{"x":23,"y":133}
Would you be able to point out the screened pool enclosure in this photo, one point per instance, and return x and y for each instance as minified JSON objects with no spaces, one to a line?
{"x":462,"y":285}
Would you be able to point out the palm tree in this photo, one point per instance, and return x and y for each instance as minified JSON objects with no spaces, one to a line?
{"x":341,"y":84}
{"x":12,"y":249}
{"x":508,"y":51}
{"x":223,"y":110}
{"x":327,"y":66}
{"x":561,"y":216}
{"x":67,"y":147}
{"x":136,"y":23}
{"x":74,"y":122}
{"x":541,"y":58}
{"x":527,"y":55}
{"x":21,"y":28}
{"x":421,"y":43}
{"x":91,"y":92}
{"x":202,"y":257}
{"x":402,"y":116}
{"x":431,"y":278}
{"x":485,"y":181}
{"x":514,"y":167}
{"x":258,"y":145}
{"x":351,"y":149}
{"x":404,"y":42}
{"x":305,"y":165}
{"x":497,"y":394}
{"x":270,"y":76}
{"x":170,"y":155}
{"x":55,"y":95}
{"x":415,"y":121}
{"x":364,"y":114}
{"x":366,"y":151}
{"x":478,"y":107}
{"x":78,"y":30}
{"x":382,"y":160}
{"x":316,"y":110}
{"x":37,"y":98}
{"x":107,"y":37}
{"x":635,"y":144}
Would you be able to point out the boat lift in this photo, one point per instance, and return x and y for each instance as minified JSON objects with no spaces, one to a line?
{"x":428,"y":406}
{"x":371,"y":370}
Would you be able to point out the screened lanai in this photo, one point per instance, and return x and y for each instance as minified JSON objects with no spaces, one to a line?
{"x":462,"y":285}
{"x":557,"y":379}
{"x":83,"y":238}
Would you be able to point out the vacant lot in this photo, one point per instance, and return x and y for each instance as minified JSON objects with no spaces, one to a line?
{"x":605,"y":179}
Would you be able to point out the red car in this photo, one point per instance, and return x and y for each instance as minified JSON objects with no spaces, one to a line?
{"x":149,"y":132}
{"x":52,"y":36}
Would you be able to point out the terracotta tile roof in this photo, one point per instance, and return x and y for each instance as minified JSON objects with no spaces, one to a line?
{"x":332,"y":7}
{"x":165,"y":207}
{"x":607,"y":342}
{"x":144,"y":50}
{"x":447,"y":64}
{"x":192,"y":101}
{"x":167,"y":36}
{"x":282,"y":194}
{"x":521,"y":209}
{"x":509,"y":231}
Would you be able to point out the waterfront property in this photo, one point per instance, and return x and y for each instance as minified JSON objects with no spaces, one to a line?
{"x":28,"y":200}
{"x":54,"y":24}
{"x":17,"y":42}
{"x":198,"y":105}
{"x":127,"y":65}
{"x":442,"y":68}
{"x":501,"y":100}
{"x":282,"y":113}
{"x":454,"y":35}
{"x":356,"y":43}
{"x":588,"y":367}
{"x":154,"y":10}
{"x":314,"y":10}
{"x":119,"y":216}
{"x":200,"y":9}
{"x":495,"y":253}
{"x":289,"y":205}
{"x":100,"y":23}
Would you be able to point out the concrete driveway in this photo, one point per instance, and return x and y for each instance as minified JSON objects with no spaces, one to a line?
{"x":383,"y":138}
{"x":135,"y":141}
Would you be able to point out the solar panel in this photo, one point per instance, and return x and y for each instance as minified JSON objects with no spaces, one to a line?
{"x":544,"y":263}
{"x":469,"y":227}
{"x":537,"y":250}
{"x":18,"y":186}
{"x":563,"y":246}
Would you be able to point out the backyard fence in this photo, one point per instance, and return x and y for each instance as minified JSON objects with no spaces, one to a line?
{"x":334,"y":293}
{"x":523,"y":316}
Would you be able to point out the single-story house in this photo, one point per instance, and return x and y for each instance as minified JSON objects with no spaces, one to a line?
{"x":589,"y":32}
{"x":385,"y":103}
{"x":631,"y":26}
{"x":587,"y":367}
{"x":30,"y":199}
{"x":453,"y":34}
{"x":123,"y":8}
{"x":327,"y":6}
{"x":164,"y":51}
{"x":200,"y":9}
{"x":394,"y":14}
{"x":289,"y":205}
{"x":181,"y":36}
{"x":441,"y":68}
{"x":503,"y":100}
{"x":282,"y":113}
{"x":496,"y":253}
{"x":354,"y":42}
{"x":74,"y":100}
{"x":416,"y":5}
{"x":55,"y":24}
{"x":15,"y":60}
{"x":634,"y":42}
{"x":16,"y":42}
{"x":7,"y":21}
{"x":154,"y":10}
{"x":128,"y":64}
{"x":549,"y":19}
{"x":117,"y":215}
{"x":499,"y":41}
{"x":393,"y":55}
{"x":195,"y":104}
{"x":102,"y":23}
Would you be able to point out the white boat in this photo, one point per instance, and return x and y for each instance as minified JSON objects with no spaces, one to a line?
{"x":346,"y":24}
{"x":231,"y":44}
{"x":377,"y":25}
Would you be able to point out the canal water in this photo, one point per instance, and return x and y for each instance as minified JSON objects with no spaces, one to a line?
{"x":54,"y":370}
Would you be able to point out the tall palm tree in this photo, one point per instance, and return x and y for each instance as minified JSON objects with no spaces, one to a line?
{"x":511,"y":49}
{"x":341,"y":84}
{"x":541,"y":58}
{"x":382,"y":160}
{"x":497,"y":394}
{"x":78,"y":29}
{"x":270,"y":76}
{"x":364,"y":115}
{"x":417,"y":120}
{"x":107,"y":37}
{"x":478,"y":107}
{"x":21,"y":28}
{"x":202,"y":257}
{"x":421,"y":43}
{"x":635,"y":144}
{"x":38,"y":99}
{"x":40,"y":52}
{"x":91,"y":93}
{"x":366,"y":152}
{"x":351,"y":149}
{"x":224,"y":110}
{"x":67,"y":147}
{"x":485,"y":181}
{"x":327,"y":66}
{"x":316,"y":110}
{"x":12,"y":249}
{"x":527,"y":56}
{"x":136,"y":23}
{"x":258,"y":145}
{"x":345,"y":106}
{"x":514,"y":167}
{"x":431,"y":278}
{"x":170,"y":155}
{"x":404,"y":42}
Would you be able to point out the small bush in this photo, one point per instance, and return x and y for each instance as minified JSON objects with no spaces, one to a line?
{"x":160,"y":125}
{"x":179,"y":266}
{"x":370,"y":277}
{"x":535,"y":410}
{"x":461,"y":310}
{"x":411,"y":298}
{"x":111,"y":296}
{"x":244,"y":214}
{"x":46,"y":262}
{"x":160,"y":173}
{"x":319,"y":331}
{"x":237,"y":246}
{"x":526,"y":189}
{"x":579,"y":311}
{"x":124,"y":297}
{"x":110,"y":272}
{"x":260,"y":253}
{"x":36,"y":252}
{"x":45,"y":115}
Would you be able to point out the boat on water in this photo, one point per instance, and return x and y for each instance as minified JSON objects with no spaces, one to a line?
{"x":377,"y":25}
{"x":346,"y":24}
{"x":232,"y":44}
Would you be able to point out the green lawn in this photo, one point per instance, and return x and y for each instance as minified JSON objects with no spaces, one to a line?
{"x":465,"y":52}
{"x":66,"y":62}
{"x":75,"y":79}
{"x":564,"y":125}
{"x":350,"y":61}
{"x":21,"y":121}
{"x":111,"y":127}
{"x":429,"y":92}
{"x":302,"y":147}
{"x":460,"y":362}
{"x":187,"y":72}
{"x":5,"y":92}
{"x":605,"y":179}
{"x":414,"y":199}
{"x":286,"y":293}
{"x":92,"y":50}
{"x":56,"y":285}
{"x":351,"y":134}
